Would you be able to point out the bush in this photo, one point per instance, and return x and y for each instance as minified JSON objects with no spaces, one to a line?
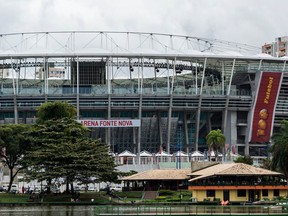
{"x":174,"y":200}
{"x":129,"y":194}
{"x":166,"y":193}
{"x":161,"y":198}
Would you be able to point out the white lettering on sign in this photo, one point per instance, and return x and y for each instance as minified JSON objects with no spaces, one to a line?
{"x":111,"y":123}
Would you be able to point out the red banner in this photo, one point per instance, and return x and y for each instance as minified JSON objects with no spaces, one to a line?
{"x":264,"y":107}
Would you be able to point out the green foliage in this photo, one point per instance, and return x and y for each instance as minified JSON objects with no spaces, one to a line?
{"x":185,"y":193}
{"x":13,"y":198}
{"x":174,"y":199}
{"x":55,"y":110}
{"x":61,"y":148}
{"x":52,"y":139}
{"x":131,"y":172}
{"x":215,"y":141}
{"x":266,"y":164}
{"x":279,"y":150}
{"x":166,"y":192}
{"x":244,"y":159}
{"x":59,"y":198}
{"x":16,"y":142}
{"x":174,"y":196}
{"x":129,"y":194}
{"x":161,"y":198}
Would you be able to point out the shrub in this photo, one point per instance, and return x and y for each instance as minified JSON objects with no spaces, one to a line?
{"x":166,"y":192}
{"x":160,"y":198}
{"x":174,"y":200}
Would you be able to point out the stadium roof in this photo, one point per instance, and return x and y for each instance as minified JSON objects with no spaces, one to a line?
{"x":126,"y":44}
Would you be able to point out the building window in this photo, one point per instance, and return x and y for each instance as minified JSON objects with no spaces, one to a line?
{"x":241,"y":193}
{"x":276,"y":193}
{"x":210,"y":193}
{"x":265,"y":193}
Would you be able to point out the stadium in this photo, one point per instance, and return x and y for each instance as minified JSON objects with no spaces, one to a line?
{"x":141,"y":91}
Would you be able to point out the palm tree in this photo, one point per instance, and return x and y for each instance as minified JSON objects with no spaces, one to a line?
{"x":215,"y":140}
{"x":279,"y":149}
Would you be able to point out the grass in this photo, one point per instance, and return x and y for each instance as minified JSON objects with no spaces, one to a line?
{"x":99,"y":198}
{"x":13,"y":198}
{"x":54,"y":198}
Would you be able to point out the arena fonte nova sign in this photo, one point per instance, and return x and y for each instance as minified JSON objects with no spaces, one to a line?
{"x":111,"y":123}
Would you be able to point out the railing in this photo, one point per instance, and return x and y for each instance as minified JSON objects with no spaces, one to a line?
{"x":239,"y":183}
{"x":190,"y":210}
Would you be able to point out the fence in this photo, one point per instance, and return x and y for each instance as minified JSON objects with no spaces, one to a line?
{"x":190,"y":210}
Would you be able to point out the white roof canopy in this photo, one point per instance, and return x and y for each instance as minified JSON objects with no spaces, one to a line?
{"x":180,"y":153}
{"x":127,"y":153}
{"x":163,"y":154}
{"x":212,"y":154}
{"x":197,"y":154}
{"x":145,"y":154}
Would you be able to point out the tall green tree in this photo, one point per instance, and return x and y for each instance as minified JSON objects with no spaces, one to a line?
{"x":46,"y":114}
{"x":48,"y":141}
{"x":215,"y":141}
{"x":279,"y":149}
{"x":72,"y":158}
{"x":15,"y":143}
{"x":62,"y":148}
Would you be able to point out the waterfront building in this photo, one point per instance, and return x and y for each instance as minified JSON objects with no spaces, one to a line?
{"x":213,"y":181}
{"x":159,"y":179}
{"x":236,"y":182}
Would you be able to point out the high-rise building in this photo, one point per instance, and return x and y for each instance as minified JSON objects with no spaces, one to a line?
{"x":277,"y":48}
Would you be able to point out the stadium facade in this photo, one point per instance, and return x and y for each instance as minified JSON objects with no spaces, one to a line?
{"x":145,"y":91}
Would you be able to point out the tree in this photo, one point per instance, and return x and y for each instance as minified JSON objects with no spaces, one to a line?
{"x":62,"y":148}
{"x":15,"y":143}
{"x":77,"y":158}
{"x":48,"y":141}
{"x":55,"y":110}
{"x":244,"y":159}
{"x":266,"y":164}
{"x":48,"y":111}
{"x":215,"y":140}
{"x":279,"y":149}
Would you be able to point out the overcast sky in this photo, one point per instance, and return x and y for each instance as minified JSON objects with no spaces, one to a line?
{"x":253,"y":22}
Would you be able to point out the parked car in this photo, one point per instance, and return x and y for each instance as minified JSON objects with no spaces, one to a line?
{"x":91,"y":188}
{"x":14,"y":188}
{"x":116,"y":188}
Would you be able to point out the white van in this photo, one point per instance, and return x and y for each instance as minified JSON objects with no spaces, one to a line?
{"x":14,"y":188}
{"x":116,"y":188}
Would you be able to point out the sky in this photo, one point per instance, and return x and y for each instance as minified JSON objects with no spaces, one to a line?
{"x":252,"y":22}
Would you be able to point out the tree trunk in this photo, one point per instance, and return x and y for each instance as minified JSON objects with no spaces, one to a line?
{"x":49,"y":185}
{"x":72,"y":188}
{"x":67,"y":185}
{"x":11,"y":179}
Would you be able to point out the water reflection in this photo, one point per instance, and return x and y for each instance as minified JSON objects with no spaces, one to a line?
{"x":47,"y":211}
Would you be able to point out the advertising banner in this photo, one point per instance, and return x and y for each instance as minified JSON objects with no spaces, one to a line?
{"x":263,"y":114}
{"x":111,"y":123}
